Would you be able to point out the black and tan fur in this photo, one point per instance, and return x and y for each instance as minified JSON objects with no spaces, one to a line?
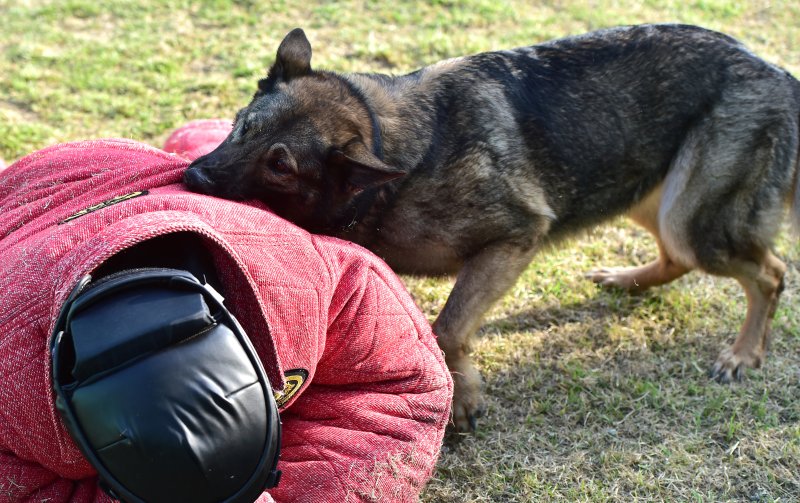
{"x":471,"y":165}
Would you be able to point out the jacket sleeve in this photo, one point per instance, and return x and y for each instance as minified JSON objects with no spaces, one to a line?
{"x":25,"y":481}
{"x":370,"y":425}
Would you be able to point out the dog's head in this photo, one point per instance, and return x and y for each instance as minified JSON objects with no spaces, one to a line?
{"x":306,"y":145}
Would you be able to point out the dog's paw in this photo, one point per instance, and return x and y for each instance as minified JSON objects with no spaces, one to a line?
{"x":466,"y":415}
{"x":468,"y":402}
{"x":614,"y":278}
{"x":730,"y":366}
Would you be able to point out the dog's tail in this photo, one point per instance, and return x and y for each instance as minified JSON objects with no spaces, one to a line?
{"x":796,"y":199}
{"x":796,"y":185}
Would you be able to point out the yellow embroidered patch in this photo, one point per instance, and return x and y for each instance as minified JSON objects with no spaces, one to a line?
{"x":295,"y":379}
{"x":104,"y":204}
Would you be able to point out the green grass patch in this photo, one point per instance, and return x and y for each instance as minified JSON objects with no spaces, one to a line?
{"x":593,"y":395}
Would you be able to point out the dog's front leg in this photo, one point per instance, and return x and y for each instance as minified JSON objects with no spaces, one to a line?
{"x":482,"y":280}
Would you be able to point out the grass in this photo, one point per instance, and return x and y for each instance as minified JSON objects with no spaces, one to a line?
{"x":601,"y":396}
{"x":594,"y":395}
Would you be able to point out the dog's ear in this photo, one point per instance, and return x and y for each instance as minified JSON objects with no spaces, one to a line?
{"x":360,"y":169}
{"x":294,"y":56}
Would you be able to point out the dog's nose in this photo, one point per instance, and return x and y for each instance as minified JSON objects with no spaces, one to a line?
{"x":195,"y":179}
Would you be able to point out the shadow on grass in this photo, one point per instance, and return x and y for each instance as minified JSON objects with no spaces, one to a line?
{"x":575,"y":413}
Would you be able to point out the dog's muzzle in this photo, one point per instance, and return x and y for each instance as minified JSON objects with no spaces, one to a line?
{"x":197,"y":180}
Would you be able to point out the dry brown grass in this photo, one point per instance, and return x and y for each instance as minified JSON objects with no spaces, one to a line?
{"x":594,"y":395}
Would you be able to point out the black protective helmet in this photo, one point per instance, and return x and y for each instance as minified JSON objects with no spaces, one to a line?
{"x":162,"y":390}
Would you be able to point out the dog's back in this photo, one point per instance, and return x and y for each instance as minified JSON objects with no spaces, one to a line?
{"x":595,"y":119}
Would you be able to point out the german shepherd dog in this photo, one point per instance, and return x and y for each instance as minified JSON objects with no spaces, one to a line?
{"x":471,"y":165}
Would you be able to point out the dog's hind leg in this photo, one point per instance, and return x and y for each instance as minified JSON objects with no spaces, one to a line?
{"x":658,"y":272}
{"x":722,"y":206}
{"x":762,"y":281}
{"x":482,"y":280}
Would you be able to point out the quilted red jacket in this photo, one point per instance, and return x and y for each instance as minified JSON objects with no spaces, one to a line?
{"x":366,"y":424}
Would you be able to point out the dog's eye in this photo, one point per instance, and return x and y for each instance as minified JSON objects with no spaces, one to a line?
{"x":280,"y":166}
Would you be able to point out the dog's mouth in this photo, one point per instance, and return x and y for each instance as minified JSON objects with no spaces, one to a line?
{"x":198,"y":180}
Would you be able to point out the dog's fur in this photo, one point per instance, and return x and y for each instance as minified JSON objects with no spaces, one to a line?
{"x":471,"y":165}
